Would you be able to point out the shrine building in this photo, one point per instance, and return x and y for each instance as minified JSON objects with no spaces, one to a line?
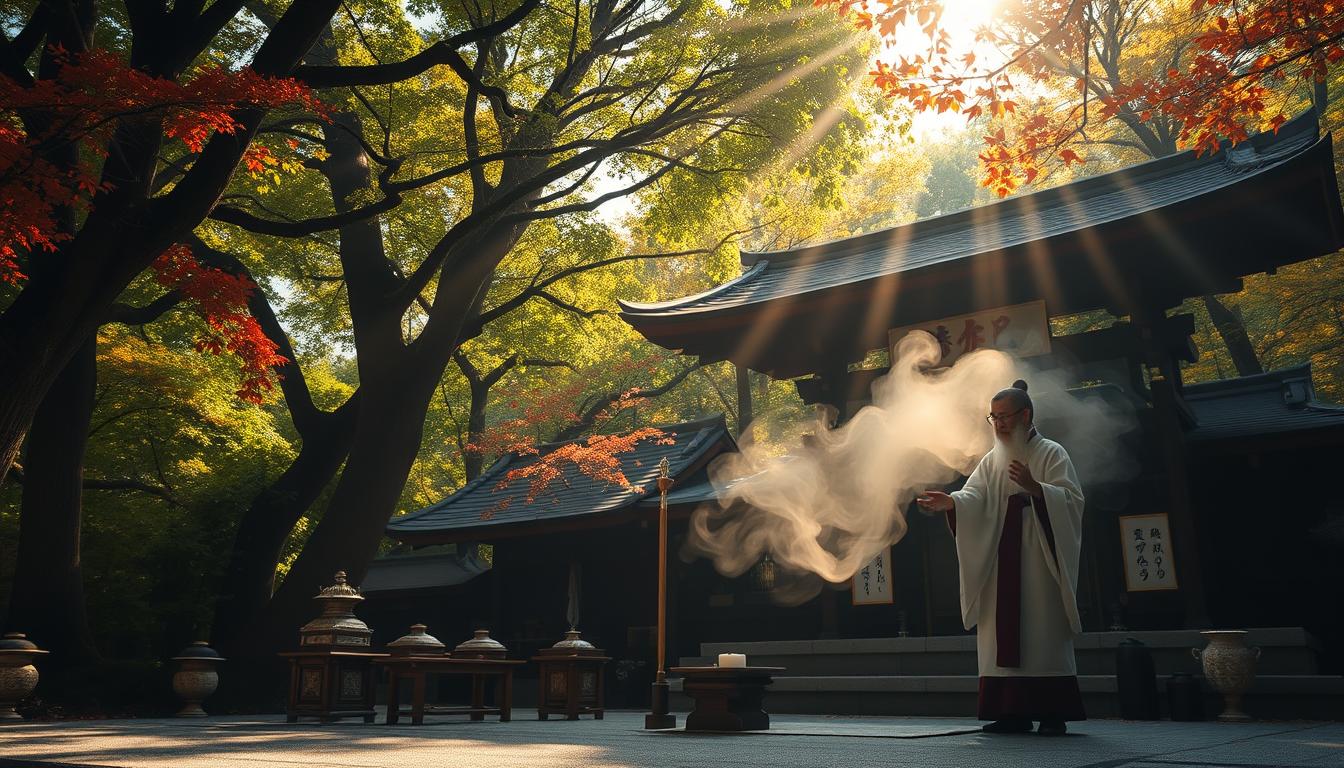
{"x":1216,"y":460}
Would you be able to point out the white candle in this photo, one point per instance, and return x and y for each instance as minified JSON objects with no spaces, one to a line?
{"x":733,"y":660}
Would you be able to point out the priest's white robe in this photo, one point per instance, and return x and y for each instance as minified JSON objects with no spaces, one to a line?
{"x":1026,"y":660}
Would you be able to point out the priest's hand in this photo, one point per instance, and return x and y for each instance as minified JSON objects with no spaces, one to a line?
{"x":1021,"y":474}
{"x":935,"y":501}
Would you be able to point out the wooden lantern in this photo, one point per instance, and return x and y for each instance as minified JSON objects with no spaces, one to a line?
{"x":571,"y":678}
{"x":332,"y":676}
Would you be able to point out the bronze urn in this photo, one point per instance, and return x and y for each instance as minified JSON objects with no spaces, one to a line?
{"x":417,"y":643}
{"x":480,"y":646}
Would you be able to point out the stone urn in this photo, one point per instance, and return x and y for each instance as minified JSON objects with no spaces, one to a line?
{"x":195,"y":678}
{"x":1229,"y":665}
{"x":18,"y":676}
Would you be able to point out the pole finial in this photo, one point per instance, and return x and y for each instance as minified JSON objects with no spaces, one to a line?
{"x":664,"y":468}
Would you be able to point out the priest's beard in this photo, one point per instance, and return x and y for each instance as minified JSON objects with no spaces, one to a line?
{"x":1014,"y":444}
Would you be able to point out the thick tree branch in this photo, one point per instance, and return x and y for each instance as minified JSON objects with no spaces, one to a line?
{"x":441,"y":52}
{"x":292,"y":382}
{"x":16,"y":476}
{"x":602,"y":402}
{"x":132,"y":315}
{"x":541,"y":284}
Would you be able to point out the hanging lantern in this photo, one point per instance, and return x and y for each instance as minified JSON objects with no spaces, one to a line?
{"x":763,"y":575}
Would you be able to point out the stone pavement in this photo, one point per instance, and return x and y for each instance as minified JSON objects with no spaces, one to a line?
{"x":810,"y":742}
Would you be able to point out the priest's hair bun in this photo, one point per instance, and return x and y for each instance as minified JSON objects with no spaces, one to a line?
{"x":1020,"y":384}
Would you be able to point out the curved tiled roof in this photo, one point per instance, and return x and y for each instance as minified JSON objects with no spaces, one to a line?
{"x":478,"y":505}
{"x":1275,"y":402}
{"x":1062,"y":210}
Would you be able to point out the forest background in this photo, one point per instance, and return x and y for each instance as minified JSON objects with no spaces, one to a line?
{"x":712,"y":127}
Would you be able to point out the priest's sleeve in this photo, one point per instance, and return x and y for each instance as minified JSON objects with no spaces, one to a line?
{"x":1062,"y":519}
{"x":975,"y":523}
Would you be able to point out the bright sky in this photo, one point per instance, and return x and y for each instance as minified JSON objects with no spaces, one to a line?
{"x":960,"y":18}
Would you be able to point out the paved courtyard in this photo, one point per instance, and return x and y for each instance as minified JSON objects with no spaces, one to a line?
{"x":798,"y":740}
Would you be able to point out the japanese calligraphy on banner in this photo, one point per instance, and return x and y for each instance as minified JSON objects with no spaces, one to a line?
{"x":1145,"y":541}
{"x":1022,"y":329}
{"x":872,"y":584}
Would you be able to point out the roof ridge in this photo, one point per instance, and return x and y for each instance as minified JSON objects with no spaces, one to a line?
{"x":1268,"y":147}
{"x":1268,"y":380}
{"x":701,"y":427}
{"x":679,"y":427}
{"x":638,"y":306}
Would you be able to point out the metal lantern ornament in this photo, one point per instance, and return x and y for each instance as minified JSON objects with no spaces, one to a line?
{"x":195,"y":678}
{"x":18,"y":676}
{"x":331,"y":675}
{"x":338,"y":625}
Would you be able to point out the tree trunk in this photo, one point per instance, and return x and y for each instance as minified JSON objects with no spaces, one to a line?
{"x":1233,"y":333}
{"x":47,"y":596}
{"x":474,"y":461}
{"x":387,"y":437}
{"x":249,"y":579}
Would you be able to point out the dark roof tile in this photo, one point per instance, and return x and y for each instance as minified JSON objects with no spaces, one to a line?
{"x":479,"y":505}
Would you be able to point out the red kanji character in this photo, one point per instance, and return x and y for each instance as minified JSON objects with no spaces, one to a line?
{"x":972,"y":337}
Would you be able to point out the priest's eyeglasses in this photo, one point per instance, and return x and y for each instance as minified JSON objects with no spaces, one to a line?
{"x":995,"y":418}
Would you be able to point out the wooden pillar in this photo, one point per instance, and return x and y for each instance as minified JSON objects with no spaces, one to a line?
{"x":675,"y":570}
{"x":834,"y":377}
{"x":743,"y":398}
{"x":1164,"y":382}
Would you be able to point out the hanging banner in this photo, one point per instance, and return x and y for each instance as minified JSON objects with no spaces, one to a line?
{"x":872,"y":584}
{"x":1020,"y":329}
{"x":1145,"y":541}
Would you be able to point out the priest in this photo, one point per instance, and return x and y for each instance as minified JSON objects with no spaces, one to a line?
{"x":1018,"y":528}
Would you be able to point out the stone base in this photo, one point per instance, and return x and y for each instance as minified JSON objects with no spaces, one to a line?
{"x":655,"y":722}
{"x":727,"y":699}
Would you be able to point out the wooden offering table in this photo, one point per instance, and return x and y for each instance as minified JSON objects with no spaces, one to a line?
{"x":726,"y":698}
{"x":417,"y":669}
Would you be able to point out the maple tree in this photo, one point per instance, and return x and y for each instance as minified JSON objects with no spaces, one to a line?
{"x":112,"y":155}
{"x":81,"y":104}
{"x":1228,"y":80}
{"x":221,"y":298}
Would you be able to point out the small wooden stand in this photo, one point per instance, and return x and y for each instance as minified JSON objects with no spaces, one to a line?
{"x":727,"y":698}
{"x":418,"y":669}
{"x":570,"y":685}
{"x":330,"y":685}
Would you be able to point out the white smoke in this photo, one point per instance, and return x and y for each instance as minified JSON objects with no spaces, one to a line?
{"x":838,"y":496}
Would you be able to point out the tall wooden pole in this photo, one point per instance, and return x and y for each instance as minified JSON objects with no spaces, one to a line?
{"x":660,"y":718}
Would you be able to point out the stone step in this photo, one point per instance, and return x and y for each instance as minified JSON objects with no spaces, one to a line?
{"x":1284,"y":651}
{"x":1271,"y":697}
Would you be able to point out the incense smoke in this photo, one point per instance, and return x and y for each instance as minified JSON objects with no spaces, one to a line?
{"x":838,"y":496}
